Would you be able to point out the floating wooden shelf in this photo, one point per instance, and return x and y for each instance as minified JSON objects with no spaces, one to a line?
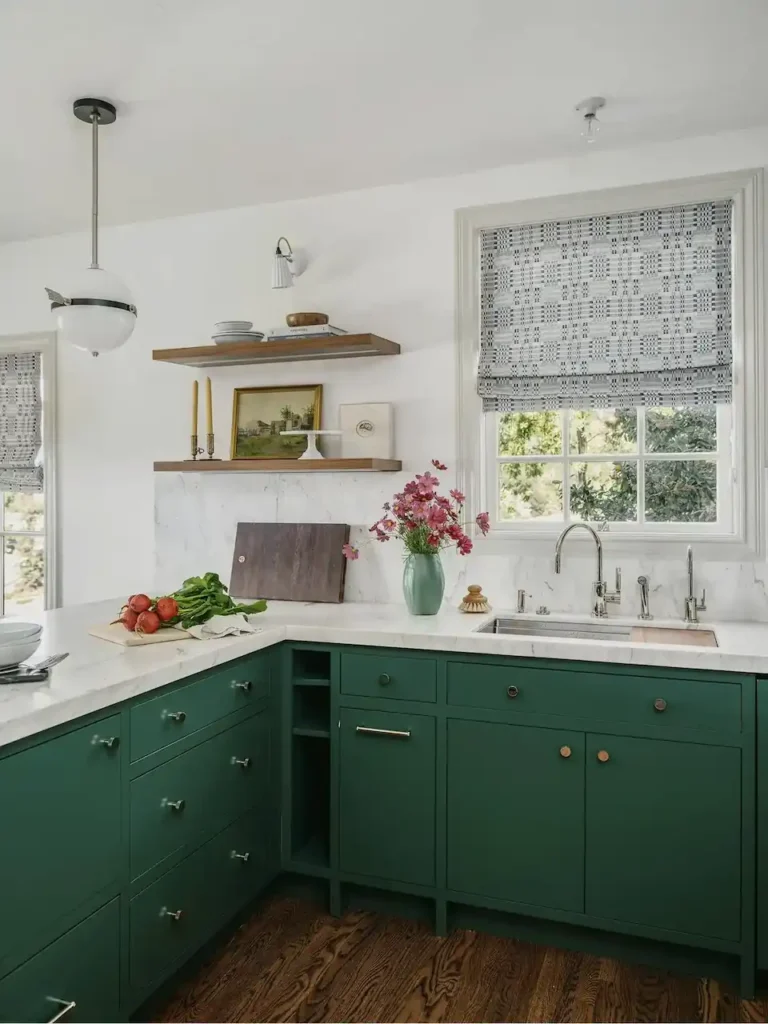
{"x":281,"y":466}
{"x":342,"y":346}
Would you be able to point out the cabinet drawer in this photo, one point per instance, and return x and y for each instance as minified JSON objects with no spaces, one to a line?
{"x":184,"y":907}
{"x":157,"y":722}
{"x":387,"y":675}
{"x":641,"y":700}
{"x":60,"y":815}
{"x":198,"y":792}
{"x":82,"y":968}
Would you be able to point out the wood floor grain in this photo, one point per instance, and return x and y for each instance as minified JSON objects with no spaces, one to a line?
{"x":292,"y":962}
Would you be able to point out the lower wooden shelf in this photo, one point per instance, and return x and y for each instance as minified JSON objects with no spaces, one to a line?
{"x":281,"y":466}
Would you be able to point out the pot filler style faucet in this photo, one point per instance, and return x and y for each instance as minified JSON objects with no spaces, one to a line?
{"x":600,"y":593}
{"x":693,"y":605}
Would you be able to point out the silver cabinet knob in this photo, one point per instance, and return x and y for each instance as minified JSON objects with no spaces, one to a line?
{"x":660,"y":704}
{"x":241,"y":684}
{"x":173,"y":805}
{"x":512,"y":691}
{"x":175,"y":716}
{"x":175,"y":914}
{"x":244,"y":857}
{"x":110,"y":742}
{"x":244,"y":762}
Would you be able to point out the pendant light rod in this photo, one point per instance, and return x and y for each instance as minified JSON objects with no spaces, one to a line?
{"x":95,"y":190}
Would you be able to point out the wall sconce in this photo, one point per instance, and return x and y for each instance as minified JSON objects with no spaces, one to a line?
{"x":287,"y":265}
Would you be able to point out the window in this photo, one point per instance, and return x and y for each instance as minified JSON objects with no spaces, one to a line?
{"x":662,"y":463}
{"x":637,"y":469}
{"x":28,"y":579}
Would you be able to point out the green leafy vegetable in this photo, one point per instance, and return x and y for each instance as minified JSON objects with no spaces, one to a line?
{"x":202,"y":597}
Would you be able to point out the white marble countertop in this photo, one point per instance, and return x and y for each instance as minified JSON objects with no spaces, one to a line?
{"x":98,"y":674}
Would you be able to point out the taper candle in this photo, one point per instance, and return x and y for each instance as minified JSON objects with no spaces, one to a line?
{"x":194,"y":407}
{"x":208,"y":407}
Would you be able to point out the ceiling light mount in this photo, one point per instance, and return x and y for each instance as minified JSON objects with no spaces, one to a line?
{"x":588,"y":109}
{"x":96,"y":313}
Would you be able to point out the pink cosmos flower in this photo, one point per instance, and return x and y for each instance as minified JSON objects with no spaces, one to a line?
{"x":350,"y":552}
{"x":484,"y":522}
{"x":433,"y":540}
{"x":438,"y":464}
{"x":457,"y":496}
{"x":455,"y":532}
{"x":436,"y":516}
{"x":388,"y":524}
{"x":464,"y":545}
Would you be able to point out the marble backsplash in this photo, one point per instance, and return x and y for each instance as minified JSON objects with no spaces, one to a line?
{"x":196,"y":517}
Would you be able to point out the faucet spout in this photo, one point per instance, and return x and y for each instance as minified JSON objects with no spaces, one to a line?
{"x":595,"y":538}
{"x":600,"y":591}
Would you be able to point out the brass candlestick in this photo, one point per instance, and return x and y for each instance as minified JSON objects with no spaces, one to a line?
{"x":210,"y":446}
{"x":195,"y":450}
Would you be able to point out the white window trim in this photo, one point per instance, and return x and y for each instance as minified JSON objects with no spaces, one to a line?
{"x":46,"y":344}
{"x":745,"y":188}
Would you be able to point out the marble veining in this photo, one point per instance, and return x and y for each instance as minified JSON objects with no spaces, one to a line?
{"x":99,"y":674}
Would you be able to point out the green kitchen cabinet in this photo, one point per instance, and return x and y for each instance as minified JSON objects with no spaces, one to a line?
{"x":762,"y":824}
{"x":76,"y":976}
{"x":61,"y":830}
{"x":663,"y":835}
{"x":515,"y":813}
{"x":387,"y":795}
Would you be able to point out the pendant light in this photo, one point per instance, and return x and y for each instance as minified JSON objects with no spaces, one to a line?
{"x":96,"y":313}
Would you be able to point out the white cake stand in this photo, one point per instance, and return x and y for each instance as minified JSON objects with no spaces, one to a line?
{"x":312,"y":451}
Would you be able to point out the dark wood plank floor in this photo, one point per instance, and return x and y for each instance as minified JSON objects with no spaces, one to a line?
{"x":292,"y":962}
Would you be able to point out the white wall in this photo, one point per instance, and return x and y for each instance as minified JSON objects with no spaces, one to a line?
{"x":382,"y":260}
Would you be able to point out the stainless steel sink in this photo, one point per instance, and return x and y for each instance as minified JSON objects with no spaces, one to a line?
{"x":597,"y":630}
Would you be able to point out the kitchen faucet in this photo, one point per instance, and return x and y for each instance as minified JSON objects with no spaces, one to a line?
{"x":692,"y":604}
{"x":600,"y":593}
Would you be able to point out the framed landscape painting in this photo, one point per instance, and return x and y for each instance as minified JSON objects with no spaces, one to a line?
{"x":260,"y":414}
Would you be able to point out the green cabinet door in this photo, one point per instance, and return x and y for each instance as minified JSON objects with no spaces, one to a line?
{"x":387,"y":795}
{"x":762,"y":824}
{"x":664,"y":834}
{"x":516,"y":813}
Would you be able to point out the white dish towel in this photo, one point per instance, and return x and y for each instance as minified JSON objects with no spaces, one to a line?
{"x":223,"y":625}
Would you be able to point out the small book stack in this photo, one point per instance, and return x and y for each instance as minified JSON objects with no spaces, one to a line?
{"x":315,"y":331}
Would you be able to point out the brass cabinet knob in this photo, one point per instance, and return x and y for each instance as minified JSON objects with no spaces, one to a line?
{"x":173,"y":805}
{"x":603,"y":756}
{"x":175,"y":716}
{"x":385,"y":679}
{"x":244,"y":857}
{"x":512,"y":691}
{"x":175,"y":914}
{"x":660,"y":704}
{"x":565,"y":751}
{"x":244,"y":762}
{"x":241,"y":684}
{"x":110,"y":742}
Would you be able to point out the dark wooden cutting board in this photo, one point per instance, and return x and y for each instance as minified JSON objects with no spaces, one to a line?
{"x":289,"y":561}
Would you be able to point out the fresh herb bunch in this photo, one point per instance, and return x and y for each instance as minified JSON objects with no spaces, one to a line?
{"x":202,"y":597}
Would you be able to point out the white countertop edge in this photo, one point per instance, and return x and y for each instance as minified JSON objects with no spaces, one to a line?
{"x":99,"y":675}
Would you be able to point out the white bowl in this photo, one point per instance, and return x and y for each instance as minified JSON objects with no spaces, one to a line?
{"x":12,"y":630}
{"x":233,"y":325}
{"x":14,"y":654}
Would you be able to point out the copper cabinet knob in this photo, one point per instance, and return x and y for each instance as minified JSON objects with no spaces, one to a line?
{"x":603,"y":756}
{"x":512,"y":691}
{"x":660,"y":704}
{"x":565,"y":751}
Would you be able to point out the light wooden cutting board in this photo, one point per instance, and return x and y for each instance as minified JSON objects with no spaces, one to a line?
{"x":116,"y":633}
{"x":670,"y":635}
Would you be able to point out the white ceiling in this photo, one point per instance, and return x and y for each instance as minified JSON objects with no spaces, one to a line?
{"x":226,"y":103}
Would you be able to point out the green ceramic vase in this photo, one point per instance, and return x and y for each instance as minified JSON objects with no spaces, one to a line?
{"x":423,"y":584}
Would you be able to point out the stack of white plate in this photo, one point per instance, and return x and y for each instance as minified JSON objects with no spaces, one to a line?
{"x":18,"y":641}
{"x":227,"y":331}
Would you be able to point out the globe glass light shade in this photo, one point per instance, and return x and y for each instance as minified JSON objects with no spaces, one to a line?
{"x":95,"y":328}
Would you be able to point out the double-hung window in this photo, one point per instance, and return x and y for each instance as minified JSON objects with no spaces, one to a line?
{"x":612,"y":351}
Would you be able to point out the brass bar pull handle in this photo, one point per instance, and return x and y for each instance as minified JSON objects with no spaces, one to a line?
{"x":241,"y":684}
{"x":175,"y":914}
{"x":110,"y":742}
{"x":244,"y":857}
{"x":399,"y":734}
{"x":175,"y":716}
{"x":244,"y":762}
{"x":174,"y":805}
{"x":66,"y":1006}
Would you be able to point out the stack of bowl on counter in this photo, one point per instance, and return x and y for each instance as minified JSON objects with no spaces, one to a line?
{"x":18,"y":641}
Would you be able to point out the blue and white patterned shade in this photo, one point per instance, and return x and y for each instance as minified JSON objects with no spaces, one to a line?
{"x":20,"y":421}
{"x":611,"y":311}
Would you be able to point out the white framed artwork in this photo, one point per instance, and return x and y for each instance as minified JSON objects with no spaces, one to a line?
{"x":366,"y":430}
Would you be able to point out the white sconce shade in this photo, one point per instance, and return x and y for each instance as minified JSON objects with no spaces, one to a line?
{"x":286,"y":265}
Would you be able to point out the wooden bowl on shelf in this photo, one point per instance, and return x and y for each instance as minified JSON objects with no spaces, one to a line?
{"x":306,"y":319}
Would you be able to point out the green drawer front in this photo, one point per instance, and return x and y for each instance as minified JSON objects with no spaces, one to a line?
{"x":184,"y":907}
{"x":82,"y":968}
{"x":176,"y":713}
{"x":682,"y":703}
{"x":60,"y":815}
{"x":209,"y":786}
{"x":387,"y":675}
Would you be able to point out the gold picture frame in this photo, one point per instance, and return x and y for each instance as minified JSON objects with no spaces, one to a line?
{"x":259,"y":414}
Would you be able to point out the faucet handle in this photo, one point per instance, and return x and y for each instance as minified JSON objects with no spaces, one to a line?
{"x":614,"y":597}
{"x":618,"y":581}
{"x":701,"y":604}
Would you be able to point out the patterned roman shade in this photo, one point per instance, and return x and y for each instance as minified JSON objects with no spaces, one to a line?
{"x":617,"y":310}
{"x":20,"y":421}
